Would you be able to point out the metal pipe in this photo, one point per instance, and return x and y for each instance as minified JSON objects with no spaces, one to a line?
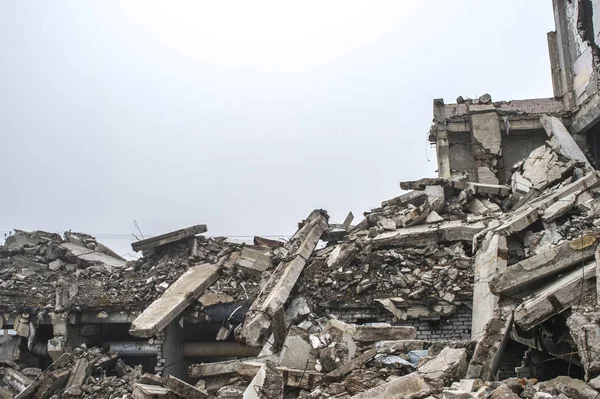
{"x":190,"y":349}
{"x":218,"y":349}
{"x":134,"y":348}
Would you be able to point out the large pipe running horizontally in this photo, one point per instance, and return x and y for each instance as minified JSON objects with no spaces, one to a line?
{"x":218,"y":349}
{"x":190,"y":349}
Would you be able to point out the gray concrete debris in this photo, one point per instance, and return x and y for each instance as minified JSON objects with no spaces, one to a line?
{"x":450,"y":365}
{"x":168,"y":238}
{"x":411,"y":386}
{"x":174,"y":300}
{"x":268,"y":383}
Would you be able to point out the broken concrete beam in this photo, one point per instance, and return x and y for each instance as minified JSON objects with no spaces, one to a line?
{"x":268,"y":383}
{"x":347,"y":368}
{"x":415,"y":198}
{"x":15,"y":379}
{"x":559,"y":208}
{"x":254,"y":259}
{"x":277,"y":290}
{"x":369,"y":334}
{"x":560,"y":137}
{"x":267,"y":242}
{"x":428,"y":234}
{"x":143,"y":391}
{"x":490,"y":347}
{"x":167,"y":238}
{"x":518,"y":277}
{"x":524,"y":217}
{"x":490,"y":259}
{"x":475,"y":188}
{"x":225,"y":367}
{"x":89,"y":256}
{"x":554,"y":298}
{"x":55,"y":380}
{"x":183,"y":389}
{"x":78,"y":376}
{"x":410,"y":386}
{"x":450,"y":365}
{"x":174,"y":300}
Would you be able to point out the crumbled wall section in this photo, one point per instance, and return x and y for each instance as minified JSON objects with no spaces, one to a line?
{"x":457,"y":326}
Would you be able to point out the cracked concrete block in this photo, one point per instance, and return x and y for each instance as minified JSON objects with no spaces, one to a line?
{"x":297,"y":350}
{"x":410,"y":386}
{"x":450,"y":365}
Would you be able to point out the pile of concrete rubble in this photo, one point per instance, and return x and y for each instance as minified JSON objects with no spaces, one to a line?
{"x":521,"y":254}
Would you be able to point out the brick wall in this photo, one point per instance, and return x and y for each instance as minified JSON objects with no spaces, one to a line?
{"x":455,"y":327}
{"x":511,"y":358}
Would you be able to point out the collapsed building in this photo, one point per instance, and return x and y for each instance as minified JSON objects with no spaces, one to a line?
{"x":481,"y":282}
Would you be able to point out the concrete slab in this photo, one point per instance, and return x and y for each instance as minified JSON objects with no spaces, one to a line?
{"x":89,"y":256}
{"x":518,"y":277}
{"x":427,"y":234}
{"x":554,"y":298}
{"x":167,"y":238}
{"x":174,"y":300}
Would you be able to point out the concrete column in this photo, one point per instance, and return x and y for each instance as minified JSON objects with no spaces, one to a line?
{"x":563,"y":54}
{"x":172,"y":352}
{"x":489,"y":261}
{"x":441,"y":147}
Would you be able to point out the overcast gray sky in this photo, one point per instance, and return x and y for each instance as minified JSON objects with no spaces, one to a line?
{"x":241,"y":115}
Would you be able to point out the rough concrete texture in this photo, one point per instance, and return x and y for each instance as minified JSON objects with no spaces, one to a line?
{"x":555,"y":298}
{"x":488,"y":352}
{"x":174,"y":300}
{"x":183,"y":389}
{"x":167,"y":238}
{"x":503,"y":392}
{"x":297,"y":351}
{"x":518,"y":277}
{"x":490,"y":260}
{"x":143,"y":391}
{"x":268,"y":383}
{"x":277,"y":290}
{"x":570,"y":387}
{"x":338,"y":353}
{"x":410,"y":386}
{"x":450,"y":365}
{"x":585,"y":331}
